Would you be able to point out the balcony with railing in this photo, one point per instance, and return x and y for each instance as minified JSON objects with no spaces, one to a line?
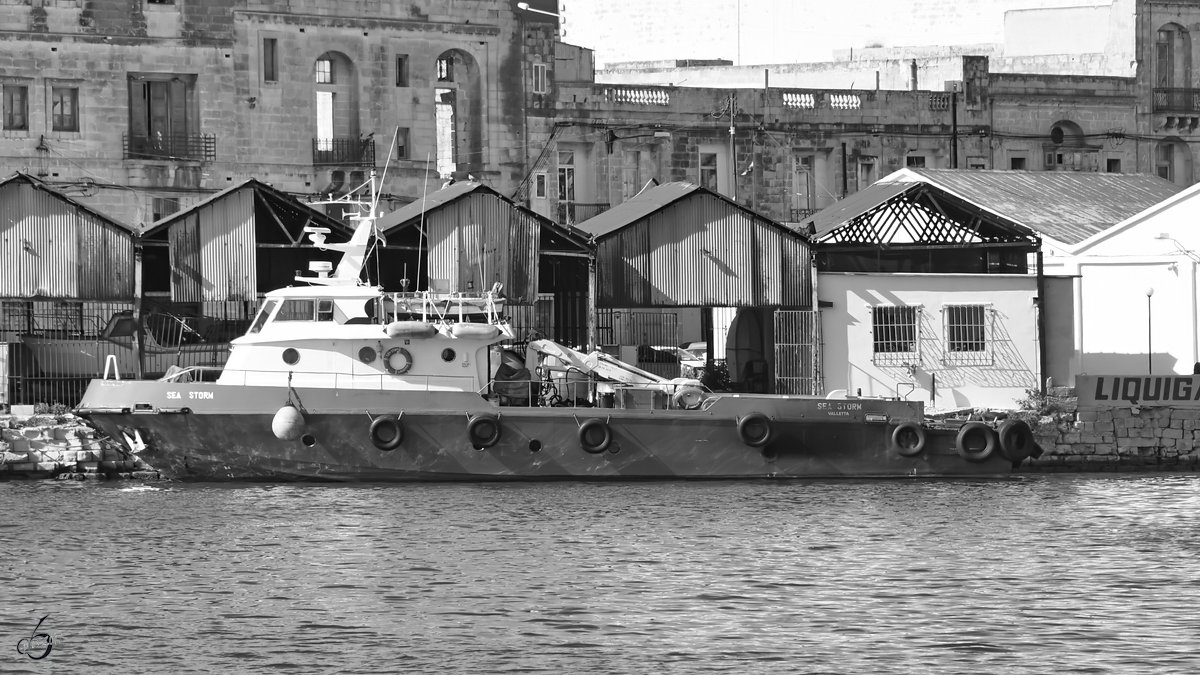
{"x":343,"y":151}
{"x":193,"y":147}
{"x":1177,"y":100}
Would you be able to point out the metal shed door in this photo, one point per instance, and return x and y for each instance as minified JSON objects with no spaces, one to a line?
{"x":797,"y":334}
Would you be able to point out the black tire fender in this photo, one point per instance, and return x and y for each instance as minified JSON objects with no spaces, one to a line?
{"x":1016,"y":440}
{"x":483,"y":430}
{"x":966,"y":442}
{"x":755,"y":429}
{"x":387,"y":432}
{"x":588,"y":429}
{"x":909,"y":439}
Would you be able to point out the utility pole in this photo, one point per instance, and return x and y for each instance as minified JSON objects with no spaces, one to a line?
{"x":954,"y":128}
{"x":733,"y":172}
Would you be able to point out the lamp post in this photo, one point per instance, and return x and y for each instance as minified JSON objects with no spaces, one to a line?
{"x":525,"y":6}
{"x":1149,"y":333}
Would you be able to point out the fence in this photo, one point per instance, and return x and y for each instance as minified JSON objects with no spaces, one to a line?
{"x":53,"y":348}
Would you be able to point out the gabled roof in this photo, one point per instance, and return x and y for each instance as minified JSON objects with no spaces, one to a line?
{"x":654,"y":199}
{"x":20,"y":177}
{"x":913,"y":212}
{"x":1172,"y":202}
{"x":1063,"y":205}
{"x":411,"y":213}
{"x":842,"y":211}
{"x":277,"y":198}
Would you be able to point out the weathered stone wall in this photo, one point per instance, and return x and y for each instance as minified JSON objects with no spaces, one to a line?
{"x":45,"y":446}
{"x":1119,"y":439}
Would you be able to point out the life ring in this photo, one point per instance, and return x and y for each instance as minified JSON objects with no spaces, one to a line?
{"x":483,"y":430}
{"x":968,"y":439}
{"x":405,"y":360}
{"x":587,"y":435}
{"x":387,"y":433}
{"x":755,"y":430}
{"x":909,"y":439}
{"x":1016,"y":440}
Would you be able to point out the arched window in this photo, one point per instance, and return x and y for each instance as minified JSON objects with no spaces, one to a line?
{"x":458,"y":114}
{"x":1172,"y":57}
{"x":335,"y":99}
{"x":1173,"y":161}
{"x":1068,"y":149}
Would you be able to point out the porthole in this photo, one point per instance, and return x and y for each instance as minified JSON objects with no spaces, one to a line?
{"x":448,"y":355}
{"x":291,"y":356}
{"x":366,"y":355}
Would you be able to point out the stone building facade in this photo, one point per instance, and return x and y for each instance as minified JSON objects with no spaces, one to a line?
{"x":146,"y":106}
{"x":141,"y":108}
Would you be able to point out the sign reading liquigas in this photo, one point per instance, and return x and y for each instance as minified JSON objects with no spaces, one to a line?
{"x":1119,"y":391}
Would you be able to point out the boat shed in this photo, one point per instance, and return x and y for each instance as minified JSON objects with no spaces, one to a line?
{"x":64,"y":268}
{"x":679,"y":245}
{"x":470,"y":237}
{"x":233,"y":246}
{"x":928,"y":295}
{"x":56,"y":247}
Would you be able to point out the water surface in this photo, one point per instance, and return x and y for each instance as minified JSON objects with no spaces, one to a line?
{"x":1034,"y":574}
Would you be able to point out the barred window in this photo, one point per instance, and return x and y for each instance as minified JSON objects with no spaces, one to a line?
{"x":896,"y":333}
{"x":966,"y":329}
{"x":324,"y":71}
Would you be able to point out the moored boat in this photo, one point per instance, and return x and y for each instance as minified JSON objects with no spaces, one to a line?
{"x":337,"y":380}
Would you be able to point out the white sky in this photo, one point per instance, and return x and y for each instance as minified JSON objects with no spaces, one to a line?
{"x":780,"y":31}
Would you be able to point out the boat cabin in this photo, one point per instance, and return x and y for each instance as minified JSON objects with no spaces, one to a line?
{"x":356,"y":337}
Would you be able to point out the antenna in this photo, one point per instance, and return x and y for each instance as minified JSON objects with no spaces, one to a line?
{"x":375,"y":206}
{"x":421,"y":225}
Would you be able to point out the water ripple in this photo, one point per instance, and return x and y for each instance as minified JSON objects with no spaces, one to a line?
{"x":1075,"y":574}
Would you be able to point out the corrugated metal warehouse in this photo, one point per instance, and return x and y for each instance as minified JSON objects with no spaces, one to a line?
{"x":64,"y":270}
{"x":680,"y":245}
{"x":471,"y":237}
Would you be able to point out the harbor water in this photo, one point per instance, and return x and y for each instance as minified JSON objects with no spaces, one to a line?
{"x":1029,"y":574}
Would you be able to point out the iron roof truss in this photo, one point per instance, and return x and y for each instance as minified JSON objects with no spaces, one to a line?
{"x":926,"y":216}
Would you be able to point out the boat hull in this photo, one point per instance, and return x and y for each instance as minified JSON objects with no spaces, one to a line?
{"x":203,"y":431}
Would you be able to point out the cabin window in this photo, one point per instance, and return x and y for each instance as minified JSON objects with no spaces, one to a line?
{"x":966,"y":329}
{"x":263,"y":313}
{"x":297,"y":310}
{"x":896,"y":334}
{"x":325,"y":310}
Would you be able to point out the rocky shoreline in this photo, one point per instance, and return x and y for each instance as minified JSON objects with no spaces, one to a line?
{"x":64,"y":447}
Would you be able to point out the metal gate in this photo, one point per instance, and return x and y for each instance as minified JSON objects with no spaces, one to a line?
{"x":648,"y":340}
{"x":797,"y":355}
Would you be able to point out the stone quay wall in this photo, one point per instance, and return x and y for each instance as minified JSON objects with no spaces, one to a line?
{"x":63,"y":447}
{"x":1127,"y":438}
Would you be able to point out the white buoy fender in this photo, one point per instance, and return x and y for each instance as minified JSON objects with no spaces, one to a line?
{"x":288,"y":423}
{"x":410,"y":329}
{"x":474,"y":330}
